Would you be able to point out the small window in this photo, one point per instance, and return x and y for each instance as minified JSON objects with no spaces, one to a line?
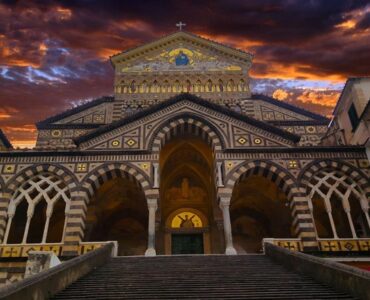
{"x":352,"y":113}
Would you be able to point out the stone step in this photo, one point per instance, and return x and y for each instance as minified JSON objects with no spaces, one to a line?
{"x":196,"y":277}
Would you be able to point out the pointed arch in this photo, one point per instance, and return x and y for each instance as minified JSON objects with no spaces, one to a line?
{"x":241,"y":86}
{"x":186,"y":124}
{"x":230,"y":85}
{"x":103,"y":173}
{"x":133,"y":87}
{"x":220,"y":85}
{"x":209,"y":86}
{"x":277,"y":174}
{"x":198,"y":86}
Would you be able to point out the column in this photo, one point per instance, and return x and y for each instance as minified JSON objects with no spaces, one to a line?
{"x":224,"y":205}
{"x":347,"y":209}
{"x":328,"y":211}
{"x":74,"y":224}
{"x":11,"y":213}
{"x":152,"y":207}
{"x":219,"y":175}
{"x":365,"y":209}
{"x":156,"y":177}
{"x":49,"y":212}
{"x":30,"y":211}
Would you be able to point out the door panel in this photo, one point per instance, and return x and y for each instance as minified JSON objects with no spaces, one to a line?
{"x":187,"y":243}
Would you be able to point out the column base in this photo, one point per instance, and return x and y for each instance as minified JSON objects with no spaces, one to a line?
{"x":150,"y":252}
{"x":230,"y":251}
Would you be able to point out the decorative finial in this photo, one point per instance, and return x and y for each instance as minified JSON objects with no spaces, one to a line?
{"x":180,"y":25}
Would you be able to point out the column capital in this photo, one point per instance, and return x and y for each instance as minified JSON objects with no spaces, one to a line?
{"x":152,"y":203}
{"x":224,"y":202}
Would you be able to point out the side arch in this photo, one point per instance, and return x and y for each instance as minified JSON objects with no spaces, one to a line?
{"x":190,"y":124}
{"x":270,"y":170}
{"x":302,"y":220}
{"x":338,"y":194}
{"x":103,"y":173}
{"x":351,"y":171}
{"x":68,"y":177}
{"x":60,"y":172}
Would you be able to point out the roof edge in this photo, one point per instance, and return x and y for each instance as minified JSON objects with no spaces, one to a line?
{"x":5,"y":140}
{"x":72,"y":111}
{"x":294,"y":108}
{"x":186,"y":96}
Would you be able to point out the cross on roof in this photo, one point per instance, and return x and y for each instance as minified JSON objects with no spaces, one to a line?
{"x":180,"y":25}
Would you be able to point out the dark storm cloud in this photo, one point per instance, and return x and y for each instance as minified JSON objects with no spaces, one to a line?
{"x":55,"y":52}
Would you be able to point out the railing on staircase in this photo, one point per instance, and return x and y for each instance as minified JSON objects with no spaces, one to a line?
{"x":342,"y":277}
{"x":47,"y":283}
{"x":325,"y":245}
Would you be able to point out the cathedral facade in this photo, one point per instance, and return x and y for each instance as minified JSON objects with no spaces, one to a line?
{"x":182,"y":159}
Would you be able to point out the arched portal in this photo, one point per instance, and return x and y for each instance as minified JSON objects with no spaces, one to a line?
{"x":187,"y":193}
{"x":118,"y":212}
{"x":258,"y":209}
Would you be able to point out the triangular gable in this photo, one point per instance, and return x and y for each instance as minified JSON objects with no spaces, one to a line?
{"x":301,"y":114}
{"x":83,"y":114}
{"x":135,"y":131}
{"x":181,"y":37}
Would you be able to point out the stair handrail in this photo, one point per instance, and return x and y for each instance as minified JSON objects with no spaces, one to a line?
{"x":47,"y":283}
{"x":342,"y":277}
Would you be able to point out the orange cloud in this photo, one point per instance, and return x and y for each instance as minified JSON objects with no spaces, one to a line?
{"x":7,"y":112}
{"x":280,"y":94}
{"x":325,"y":98}
{"x":293,"y":71}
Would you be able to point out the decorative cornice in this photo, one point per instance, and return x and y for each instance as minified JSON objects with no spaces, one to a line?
{"x":289,"y":107}
{"x":192,"y":98}
{"x":45,"y":124}
{"x":299,"y":122}
{"x":261,"y":150}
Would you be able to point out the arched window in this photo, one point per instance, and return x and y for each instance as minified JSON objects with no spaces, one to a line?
{"x":177,"y":87}
{"x":155,"y":87}
{"x":230,"y":85}
{"x":220,"y":86}
{"x":133,"y":87}
{"x":144,"y":87}
{"x":188,"y":86}
{"x":36,"y":212}
{"x":186,"y":219}
{"x":339,"y":206}
{"x":198,"y":86}
{"x":166,"y":88}
{"x":209,"y":86}
{"x":241,"y":86}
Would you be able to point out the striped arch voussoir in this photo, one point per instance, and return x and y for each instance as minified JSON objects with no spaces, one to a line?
{"x":357,"y":175}
{"x":104,"y":173}
{"x":68,"y":178}
{"x":281,"y":177}
{"x":189,"y":125}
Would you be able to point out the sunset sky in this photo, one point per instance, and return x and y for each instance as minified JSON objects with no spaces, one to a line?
{"x":54,"y":54}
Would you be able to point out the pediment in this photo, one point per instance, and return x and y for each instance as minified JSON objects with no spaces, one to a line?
{"x":137,"y":131}
{"x":199,"y":54}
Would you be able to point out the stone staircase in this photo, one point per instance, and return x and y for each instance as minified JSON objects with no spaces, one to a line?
{"x":196,"y":277}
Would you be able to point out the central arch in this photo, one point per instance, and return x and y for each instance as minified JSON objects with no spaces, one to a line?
{"x":187,"y":185}
{"x":185,"y":124}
